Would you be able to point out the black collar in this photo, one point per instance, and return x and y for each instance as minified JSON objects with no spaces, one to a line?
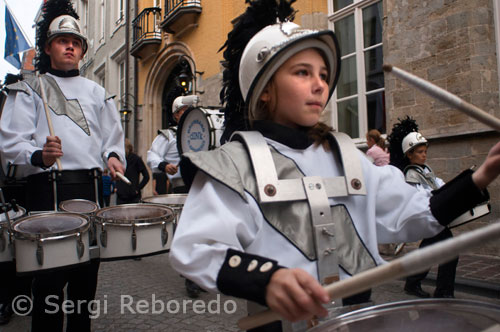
{"x":62,"y":73}
{"x":293,"y":138}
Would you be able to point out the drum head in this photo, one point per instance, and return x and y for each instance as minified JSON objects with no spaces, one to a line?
{"x":50,"y":224}
{"x":193,"y":133}
{"x":134,"y":214}
{"x":82,"y":206}
{"x":169,"y":199}
{"x":418,"y":315}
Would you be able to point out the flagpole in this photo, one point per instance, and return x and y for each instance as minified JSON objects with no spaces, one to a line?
{"x":19,"y":25}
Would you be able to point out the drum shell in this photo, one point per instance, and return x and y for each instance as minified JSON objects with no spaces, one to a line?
{"x":85,"y":207}
{"x":417,"y":315}
{"x":59,"y":250}
{"x":6,"y":254}
{"x":116,"y":239}
{"x":173,"y":201}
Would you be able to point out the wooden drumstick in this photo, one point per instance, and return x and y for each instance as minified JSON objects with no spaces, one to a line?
{"x":446,"y":97}
{"x":123,"y":178}
{"x":414,"y":262}
{"x":47,"y":115}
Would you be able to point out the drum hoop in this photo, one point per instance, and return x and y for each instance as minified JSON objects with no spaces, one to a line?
{"x":409,"y":304}
{"x":51,"y":236}
{"x":96,"y":207}
{"x":13,"y":218}
{"x":140,"y":222}
{"x":176,"y":205}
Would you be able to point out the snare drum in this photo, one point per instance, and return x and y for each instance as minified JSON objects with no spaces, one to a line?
{"x":85,"y":207}
{"x":417,"y":315}
{"x":133,"y":230}
{"x":477,"y":212}
{"x":199,"y":129}
{"x":6,"y":250}
{"x":50,"y":241}
{"x":173,"y":201}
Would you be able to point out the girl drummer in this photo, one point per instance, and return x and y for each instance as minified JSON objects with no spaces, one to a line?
{"x":288,"y":206}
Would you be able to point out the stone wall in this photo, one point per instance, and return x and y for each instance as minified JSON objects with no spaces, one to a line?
{"x":451,"y":44}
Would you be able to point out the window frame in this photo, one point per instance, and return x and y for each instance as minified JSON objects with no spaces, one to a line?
{"x":356,"y":9}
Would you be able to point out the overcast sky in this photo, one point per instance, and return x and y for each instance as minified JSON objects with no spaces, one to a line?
{"x":24,"y":12}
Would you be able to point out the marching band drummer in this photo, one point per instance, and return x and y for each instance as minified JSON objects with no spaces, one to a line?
{"x":163,"y":157}
{"x":87,"y":132}
{"x":241,"y":235}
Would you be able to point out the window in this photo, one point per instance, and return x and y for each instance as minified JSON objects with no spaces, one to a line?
{"x":359,"y":101}
{"x":121,"y":88}
{"x":102,"y":17}
{"x":158,"y":3}
{"x":121,"y":11}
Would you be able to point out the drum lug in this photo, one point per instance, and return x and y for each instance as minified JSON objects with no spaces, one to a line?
{"x":134,"y":238}
{"x":39,"y":252}
{"x":3,"y":242}
{"x":80,"y":247}
{"x":164,"y":234}
{"x":104,"y":236}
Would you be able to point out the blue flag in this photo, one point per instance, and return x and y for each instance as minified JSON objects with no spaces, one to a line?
{"x":15,"y":42}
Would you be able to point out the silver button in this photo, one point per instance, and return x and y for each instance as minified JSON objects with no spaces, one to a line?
{"x":266,"y":267}
{"x":234,"y":261}
{"x":253,"y":264}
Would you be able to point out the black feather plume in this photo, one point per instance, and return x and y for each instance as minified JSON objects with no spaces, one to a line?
{"x":258,"y":15}
{"x":398,"y":133}
{"x":51,"y":9}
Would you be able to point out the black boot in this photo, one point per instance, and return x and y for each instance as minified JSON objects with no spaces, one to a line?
{"x":5,"y":313}
{"x":192,"y":289}
{"x":416,"y":290}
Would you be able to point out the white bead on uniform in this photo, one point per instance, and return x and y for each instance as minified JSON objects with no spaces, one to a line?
{"x":234,"y":261}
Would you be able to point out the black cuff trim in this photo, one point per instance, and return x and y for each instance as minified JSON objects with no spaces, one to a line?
{"x":456,"y":197}
{"x":114,"y":154}
{"x":235,"y":279}
{"x":162,"y":165}
{"x":37,"y":160}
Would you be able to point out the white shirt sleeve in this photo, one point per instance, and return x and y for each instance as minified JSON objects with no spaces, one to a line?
{"x":113,"y":136}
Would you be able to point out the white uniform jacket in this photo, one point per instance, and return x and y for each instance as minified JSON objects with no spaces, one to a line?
{"x":164,"y":149}
{"x":217,"y":224}
{"x":23,"y":127}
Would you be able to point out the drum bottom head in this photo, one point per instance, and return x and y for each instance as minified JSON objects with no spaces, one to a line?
{"x":421,"y":315}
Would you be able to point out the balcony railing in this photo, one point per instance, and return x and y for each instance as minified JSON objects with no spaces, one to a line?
{"x":146,"y":30}
{"x":180,"y":14}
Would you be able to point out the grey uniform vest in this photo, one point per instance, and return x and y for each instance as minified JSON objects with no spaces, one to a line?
{"x":415,"y":174}
{"x":294,"y":204}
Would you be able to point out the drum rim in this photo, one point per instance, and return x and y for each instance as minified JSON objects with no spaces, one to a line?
{"x":367,"y":312}
{"x":211,"y":131}
{"x":29,"y":236}
{"x":12,"y":219}
{"x":144,"y":199}
{"x":134,"y":223}
{"x":60,"y":206}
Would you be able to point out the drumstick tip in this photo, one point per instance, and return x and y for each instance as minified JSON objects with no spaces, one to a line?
{"x":387,"y":68}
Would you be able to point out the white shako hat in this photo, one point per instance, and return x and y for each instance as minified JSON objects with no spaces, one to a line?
{"x":66,"y":25}
{"x":412,"y":140}
{"x":274,"y":45}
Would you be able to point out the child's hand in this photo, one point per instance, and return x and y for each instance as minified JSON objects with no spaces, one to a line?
{"x":489,"y":169}
{"x":296,"y":295}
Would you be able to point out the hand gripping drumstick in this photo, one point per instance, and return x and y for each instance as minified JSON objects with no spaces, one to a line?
{"x":446,"y":97}
{"x":47,"y":115}
{"x":123,"y":178}
{"x":414,"y":262}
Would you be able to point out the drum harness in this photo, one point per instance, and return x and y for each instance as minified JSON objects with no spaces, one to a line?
{"x":316,"y":190}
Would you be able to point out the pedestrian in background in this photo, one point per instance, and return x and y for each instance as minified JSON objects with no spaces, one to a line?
{"x":108,"y":187}
{"x":131,"y":193}
{"x":376,"y":148}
